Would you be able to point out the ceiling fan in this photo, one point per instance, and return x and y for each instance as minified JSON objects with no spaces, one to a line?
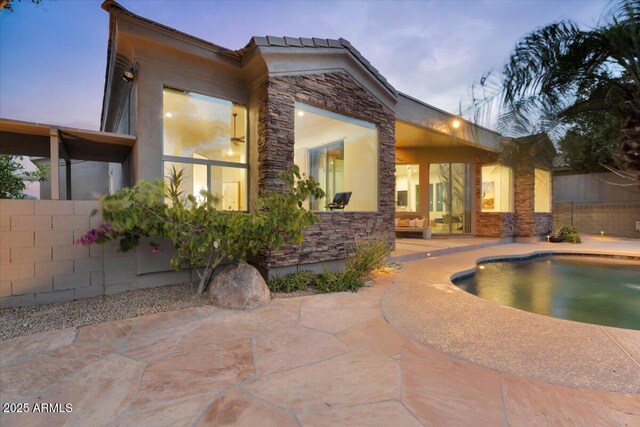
{"x":235,"y":139}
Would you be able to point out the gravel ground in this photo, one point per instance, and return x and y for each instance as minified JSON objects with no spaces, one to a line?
{"x":20,"y":321}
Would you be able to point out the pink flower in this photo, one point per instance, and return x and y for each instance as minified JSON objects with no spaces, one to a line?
{"x":156,"y":249}
{"x":95,"y":234}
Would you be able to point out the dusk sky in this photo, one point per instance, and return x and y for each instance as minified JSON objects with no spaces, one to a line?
{"x":52,"y":56}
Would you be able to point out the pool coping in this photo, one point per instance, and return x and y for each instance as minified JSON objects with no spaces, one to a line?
{"x":598,"y":348}
{"x":537,"y":254}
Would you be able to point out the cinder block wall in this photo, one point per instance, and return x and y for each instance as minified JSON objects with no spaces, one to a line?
{"x":40,"y":262}
{"x":615,"y":219}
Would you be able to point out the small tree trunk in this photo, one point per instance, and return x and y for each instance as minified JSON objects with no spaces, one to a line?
{"x":203,"y":279}
{"x":207,"y":274}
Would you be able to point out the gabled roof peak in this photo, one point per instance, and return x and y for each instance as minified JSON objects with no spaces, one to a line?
{"x":316,"y":42}
{"x":273,"y":41}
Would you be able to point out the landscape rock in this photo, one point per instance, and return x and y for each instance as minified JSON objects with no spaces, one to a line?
{"x":239,"y":286}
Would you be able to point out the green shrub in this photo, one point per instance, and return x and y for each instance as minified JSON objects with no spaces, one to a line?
{"x":299,"y":281}
{"x":370,"y":255}
{"x":338,"y":282}
{"x":570,"y":234}
{"x":203,"y":236}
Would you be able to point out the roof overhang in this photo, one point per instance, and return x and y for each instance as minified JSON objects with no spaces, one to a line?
{"x":34,"y":139}
{"x":420,"y":125}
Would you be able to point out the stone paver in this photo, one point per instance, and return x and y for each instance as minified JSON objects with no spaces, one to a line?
{"x":375,"y":335}
{"x":390,"y":413}
{"x":336,"y":312}
{"x":532,"y":403}
{"x":177,"y":413}
{"x":25,"y":377}
{"x":442,"y":391}
{"x":350,"y":379}
{"x":332,"y":360}
{"x":292,"y":347}
{"x":34,"y":344}
{"x":195,"y":369}
{"x":235,"y":408}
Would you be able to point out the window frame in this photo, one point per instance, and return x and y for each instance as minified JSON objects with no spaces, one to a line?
{"x":206,"y":162}
{"x":512,"y":187}
{"x":338,"y":115}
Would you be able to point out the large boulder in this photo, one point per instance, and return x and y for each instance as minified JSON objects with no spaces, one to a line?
{"x":239,"y":286}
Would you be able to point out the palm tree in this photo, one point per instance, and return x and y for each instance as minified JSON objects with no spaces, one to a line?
{"x":561,"y":71}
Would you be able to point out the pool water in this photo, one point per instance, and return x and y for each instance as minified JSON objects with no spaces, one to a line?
{"x":591,"y":289}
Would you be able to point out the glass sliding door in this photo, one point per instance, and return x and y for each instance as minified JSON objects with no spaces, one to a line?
{"x":407,"y":188}
{"x":450,"y":195}
{"x":461,"y":198}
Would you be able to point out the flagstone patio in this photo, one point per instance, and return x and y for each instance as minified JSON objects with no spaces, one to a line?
{"x":322,"y":360}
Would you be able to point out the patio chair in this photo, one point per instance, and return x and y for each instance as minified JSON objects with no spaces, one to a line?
{"x":340,"y":200}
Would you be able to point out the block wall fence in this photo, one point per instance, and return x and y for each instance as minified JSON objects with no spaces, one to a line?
{"x":40,"y":262}
{"x":615,"y":219}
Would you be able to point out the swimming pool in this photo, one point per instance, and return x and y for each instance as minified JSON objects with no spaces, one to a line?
{"x":591,"y":289}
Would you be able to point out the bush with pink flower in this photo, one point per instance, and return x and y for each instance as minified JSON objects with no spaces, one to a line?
{"x":203,"y":236}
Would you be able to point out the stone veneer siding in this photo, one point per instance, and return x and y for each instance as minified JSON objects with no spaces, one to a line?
{"x":491,"y":224}
{"x":523,"y":222}
{"x":337,"y":92}
{"x":528,"y":222}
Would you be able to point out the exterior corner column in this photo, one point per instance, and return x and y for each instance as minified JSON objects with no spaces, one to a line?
{"x":54,"y":159}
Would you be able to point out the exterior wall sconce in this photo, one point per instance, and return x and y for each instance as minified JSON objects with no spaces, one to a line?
{"x":129,"y":75}
{"x":455,"y":123}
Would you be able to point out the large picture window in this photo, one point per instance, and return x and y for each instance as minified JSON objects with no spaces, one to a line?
{"x":497,"y":188}
{"x":206,"y":138}
{"x":339,"y":152}
{"x":542,"y":191}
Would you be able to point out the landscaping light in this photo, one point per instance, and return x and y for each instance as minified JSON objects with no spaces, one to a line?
{"x":601,"y":233}
{"x":455,"y":124}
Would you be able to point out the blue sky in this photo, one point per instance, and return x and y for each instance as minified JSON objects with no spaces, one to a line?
{"x":52,"y":56}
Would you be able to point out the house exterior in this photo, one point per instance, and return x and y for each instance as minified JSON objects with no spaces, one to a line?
{"x":320,"y":104}
{"x":233,"y":120}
